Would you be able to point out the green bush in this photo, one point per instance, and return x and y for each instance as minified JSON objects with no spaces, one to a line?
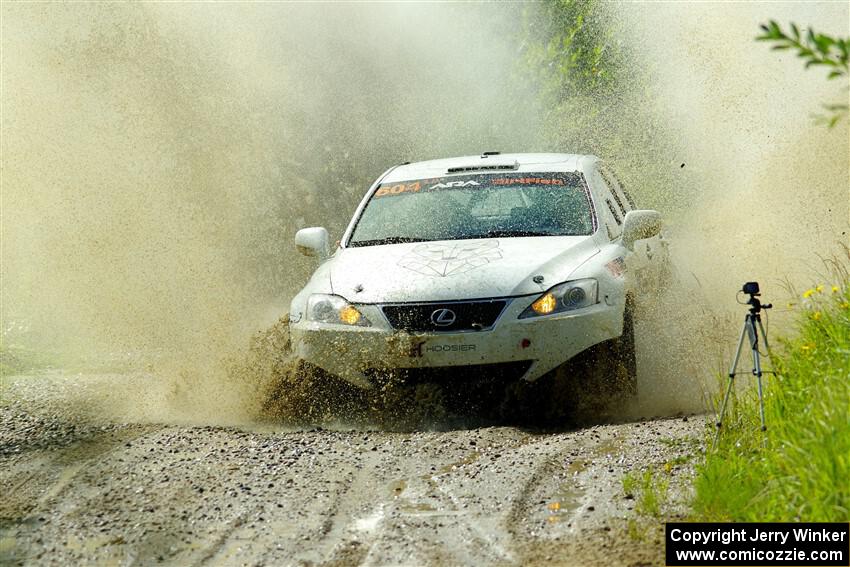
{"x":800,"y":468}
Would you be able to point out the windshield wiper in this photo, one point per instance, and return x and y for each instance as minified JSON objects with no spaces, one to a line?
{"x":507,"y":233}
{"x":388,"y":240}
{"x":488,"y":234}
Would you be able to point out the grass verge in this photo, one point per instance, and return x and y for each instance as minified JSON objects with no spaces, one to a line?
{"x":799,"y":470}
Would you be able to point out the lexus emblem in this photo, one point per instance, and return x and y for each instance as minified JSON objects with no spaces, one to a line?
{"x":443,"y":317}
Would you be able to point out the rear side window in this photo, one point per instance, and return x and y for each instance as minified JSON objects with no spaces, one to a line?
{"x":613,"y":187}
{"x":623,"y":201}
{"x":613,"y":218}
{"x":613,"y":212}
{"x":619,"y":190}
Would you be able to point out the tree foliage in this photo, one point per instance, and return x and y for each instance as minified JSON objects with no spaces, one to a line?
{"x":572,"y":47}
{"x":818,"y":50}
{"x":595,"y":96}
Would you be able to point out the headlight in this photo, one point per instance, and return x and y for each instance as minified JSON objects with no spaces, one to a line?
{"x":324,"y":308}
{"x":563,"y":297}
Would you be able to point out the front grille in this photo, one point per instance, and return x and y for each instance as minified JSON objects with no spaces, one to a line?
{"x":427,"y":317}
{"x":499,"y":373}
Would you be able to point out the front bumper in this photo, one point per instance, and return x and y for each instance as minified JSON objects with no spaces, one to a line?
{"x":356,"y":354}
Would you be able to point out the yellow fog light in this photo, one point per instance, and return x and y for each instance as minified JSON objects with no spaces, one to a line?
{"x":545,"y":304}
{"x":349,"y":315}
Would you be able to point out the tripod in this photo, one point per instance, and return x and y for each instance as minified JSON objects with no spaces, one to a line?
{"x":751,"y":329}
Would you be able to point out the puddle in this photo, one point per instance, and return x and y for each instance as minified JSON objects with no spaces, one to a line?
{"x":425,"y":502}
{"x":568,"y":496}
{"x":408,"y":505}
{"x":566,"y":500}
{"x":451,"y":467}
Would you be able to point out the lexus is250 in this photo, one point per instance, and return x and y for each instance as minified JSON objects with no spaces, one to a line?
{"x":499,"y":267}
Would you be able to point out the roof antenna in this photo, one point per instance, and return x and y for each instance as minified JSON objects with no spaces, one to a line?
{"x":485,"y":154}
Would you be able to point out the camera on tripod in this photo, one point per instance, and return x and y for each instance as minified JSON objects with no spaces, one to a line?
{"x":752,"y":289}
{"x":753,"y":329}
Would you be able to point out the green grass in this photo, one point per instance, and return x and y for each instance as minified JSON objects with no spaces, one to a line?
{"x":800,"y":468}
{"x":648,"y":489}
{"x":630,"y":485}
{"x":653,"y":494}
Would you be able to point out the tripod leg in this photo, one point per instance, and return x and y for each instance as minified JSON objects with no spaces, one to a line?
{"x":732,"y":369}
{"x":764,"y":336}
{"x":758,"y":373}
{"x":719,"y":423}
{"x":738,"y":350}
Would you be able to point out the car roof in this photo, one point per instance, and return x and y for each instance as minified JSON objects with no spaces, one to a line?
{"x":489,"y":162}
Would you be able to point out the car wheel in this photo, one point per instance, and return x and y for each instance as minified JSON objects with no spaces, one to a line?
{"x":398,"y":406}
{"x":522,"y":402}
{"x":588,"y":388}
{"x":625,"y":358}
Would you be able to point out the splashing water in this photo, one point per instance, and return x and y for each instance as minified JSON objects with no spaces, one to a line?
{"x":158,"y":159}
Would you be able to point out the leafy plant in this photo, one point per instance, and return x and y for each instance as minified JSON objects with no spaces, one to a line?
{"x":818,"y":50}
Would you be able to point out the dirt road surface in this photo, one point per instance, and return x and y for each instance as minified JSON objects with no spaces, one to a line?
{"x":81,"y":490}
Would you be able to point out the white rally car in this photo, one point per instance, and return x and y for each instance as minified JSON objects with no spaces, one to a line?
{"x":493,"y":266}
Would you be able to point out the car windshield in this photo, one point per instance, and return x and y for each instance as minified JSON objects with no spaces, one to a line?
{"x":475,"y":206}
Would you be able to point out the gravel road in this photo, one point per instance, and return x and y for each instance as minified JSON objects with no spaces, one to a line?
{"x":79,"y":489}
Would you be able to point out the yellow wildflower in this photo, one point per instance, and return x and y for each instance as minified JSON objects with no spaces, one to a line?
{"x":835,"y":289}
{"x":819,"y":289}
{"x":845,"y":305}
{"x":807,"y":347}
{"x":816,"y":315}
{"x":808,"y":293}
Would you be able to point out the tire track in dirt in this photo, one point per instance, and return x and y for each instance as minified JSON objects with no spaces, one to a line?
{"x":37,"y":477}
{"x":429,"y":518}
{"x":193,"y":495}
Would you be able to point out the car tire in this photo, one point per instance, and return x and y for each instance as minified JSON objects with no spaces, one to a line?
{"x":527,"y":403}
{"x":406,"y":407}
{"x":588,"y":388}
{"x":625,"y":356}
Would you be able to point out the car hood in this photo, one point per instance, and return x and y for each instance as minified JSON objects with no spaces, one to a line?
{"x":456,"y":269}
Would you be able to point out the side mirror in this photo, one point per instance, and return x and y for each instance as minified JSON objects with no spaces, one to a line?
{"x":639,"y":225}
{"x":313,"y":241}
